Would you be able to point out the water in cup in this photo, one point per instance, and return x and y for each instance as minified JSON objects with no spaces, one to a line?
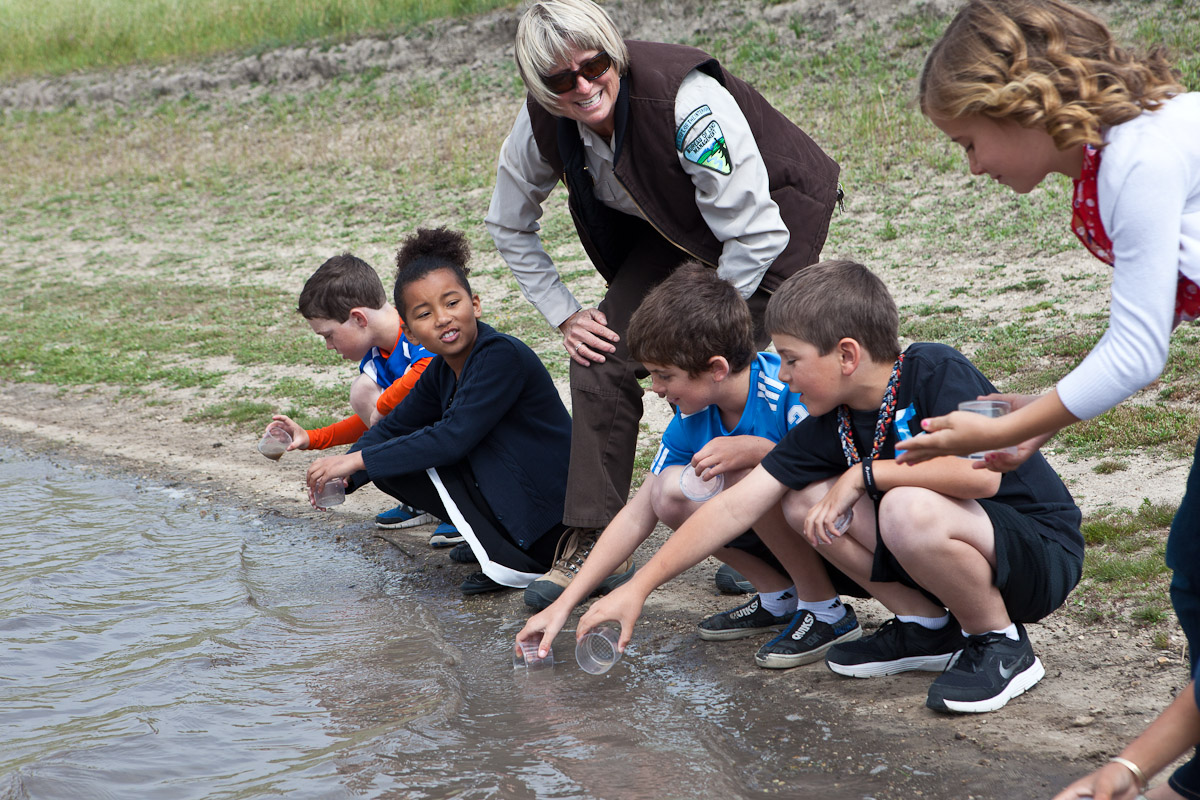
{"x":331,"y":493}
{"x":988,"y":408}
{"x":696,"y":489}
{"x":274,"y":442}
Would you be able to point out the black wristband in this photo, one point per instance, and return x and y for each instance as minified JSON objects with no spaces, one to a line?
{"x":869,"y":482}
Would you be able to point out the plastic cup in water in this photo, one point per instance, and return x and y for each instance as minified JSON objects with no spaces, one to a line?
{"x":988,"y":408}
{"x":274,"y":442}
{"x":597,"y":651}
{"x":528,"y":659}
{"x":698,"y":490}
{"x":331,"y":493}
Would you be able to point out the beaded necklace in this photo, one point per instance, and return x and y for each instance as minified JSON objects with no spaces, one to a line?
{"x":887,"y":410}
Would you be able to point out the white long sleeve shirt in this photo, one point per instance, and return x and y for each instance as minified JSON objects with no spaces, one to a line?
{"x":1148,"y":188}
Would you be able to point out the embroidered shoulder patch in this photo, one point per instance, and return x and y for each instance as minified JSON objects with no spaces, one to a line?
{"x":708,"y":150}
{"x":686,"y":126}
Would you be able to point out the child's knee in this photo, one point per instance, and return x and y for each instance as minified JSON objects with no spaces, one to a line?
{"x":667,"y":500}
{"x":364,"y":391}
{"x":798,"y":502}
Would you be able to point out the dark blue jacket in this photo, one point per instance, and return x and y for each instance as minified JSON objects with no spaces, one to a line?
{"x":503,"y":416}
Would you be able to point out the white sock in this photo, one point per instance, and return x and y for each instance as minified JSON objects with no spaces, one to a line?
{"x":931,"y":623}
{"x":779,"y":603}
{"x":827,"y":611}
{"x":1010,"y":632}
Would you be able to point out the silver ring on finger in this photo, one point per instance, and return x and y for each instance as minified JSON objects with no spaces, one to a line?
{"x":578,"y":346}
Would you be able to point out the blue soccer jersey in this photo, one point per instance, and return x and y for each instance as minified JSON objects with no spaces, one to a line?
{"x":386,"y":371}
{"x":771,"y":411}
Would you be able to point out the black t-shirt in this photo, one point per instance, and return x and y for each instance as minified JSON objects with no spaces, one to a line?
{"x":933,"y":381}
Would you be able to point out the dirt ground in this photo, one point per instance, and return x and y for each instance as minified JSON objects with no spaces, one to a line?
{"x":1102,"y":686}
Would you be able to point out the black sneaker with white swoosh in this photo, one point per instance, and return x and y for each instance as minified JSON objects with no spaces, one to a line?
{"x":991,"y":670}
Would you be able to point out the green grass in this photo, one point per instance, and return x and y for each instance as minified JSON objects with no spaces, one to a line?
{"x":57,"y":36}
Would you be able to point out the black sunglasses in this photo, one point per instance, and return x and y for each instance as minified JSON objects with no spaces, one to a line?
{"x":593,"y":68}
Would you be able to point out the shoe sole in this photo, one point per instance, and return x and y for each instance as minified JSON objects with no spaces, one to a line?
{"x":541,"y":594}
{"x":1020,"y":683}
{"x":787,"y":661}
{"x":877,"y":669}
{"x":423,"y":519}
{"x":729,"y":634}
{"x":440,"y":541}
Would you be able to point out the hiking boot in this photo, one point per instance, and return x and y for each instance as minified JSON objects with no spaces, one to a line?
{"x":806,"y":640}
{"x":463,"y":554}
{"x":991,"y":670}
{"x":478,"y":583}
{"x":896,"y":647}
{"x":738,"y":623}
{"x":573,"y":548}
{"x":403,"y":516}
{"x":445,"y":535}
{"x":730,"y":581}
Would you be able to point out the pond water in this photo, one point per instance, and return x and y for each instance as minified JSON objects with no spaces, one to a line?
{"x":158,"y":646}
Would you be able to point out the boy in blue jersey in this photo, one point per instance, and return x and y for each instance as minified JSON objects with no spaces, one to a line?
{"x":693,"y":334}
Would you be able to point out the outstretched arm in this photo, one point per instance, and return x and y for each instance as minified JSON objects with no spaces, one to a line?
{"x":717,"y":523}
{"x":960,"y":433}
{"x":1175,"y":731}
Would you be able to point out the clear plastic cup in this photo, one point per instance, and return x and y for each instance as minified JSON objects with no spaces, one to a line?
{"x":597,"y":651}
{"x":698,"y":490}
{"x":843,"y":522}
{"x":331,"y":493}
{"x":275,"y":441}
{"x":528,"y":659}
{"x":988,"y":408}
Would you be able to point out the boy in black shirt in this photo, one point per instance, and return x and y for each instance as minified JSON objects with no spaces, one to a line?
{"x":951,"y":550}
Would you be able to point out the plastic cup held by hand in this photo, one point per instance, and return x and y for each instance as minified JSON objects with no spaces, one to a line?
{"x":331,"y":493}
{"x":597,"y":651}
{"x":988,"y":408}
{"x":274,"y":442}
{"x":528,"y":659}
{"x":698,"y":490}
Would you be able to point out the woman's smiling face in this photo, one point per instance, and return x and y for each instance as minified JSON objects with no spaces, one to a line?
{"x":593,"y":103}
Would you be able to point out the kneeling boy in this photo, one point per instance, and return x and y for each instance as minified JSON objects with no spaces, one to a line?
{"x":693,"y":332}
{"x":961,"y":556}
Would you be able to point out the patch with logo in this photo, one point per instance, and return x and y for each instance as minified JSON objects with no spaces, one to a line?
{"x":708,"y":150}
{"x":686,"y":126}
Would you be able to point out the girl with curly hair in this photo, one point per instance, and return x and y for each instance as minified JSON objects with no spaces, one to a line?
{"x":1031,"y":87}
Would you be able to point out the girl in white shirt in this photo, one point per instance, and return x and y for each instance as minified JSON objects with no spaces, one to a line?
{"x":1032,"y":87}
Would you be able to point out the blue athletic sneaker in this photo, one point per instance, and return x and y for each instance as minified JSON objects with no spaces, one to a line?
{"x":403,"y":516}
{"x":445,"y":535}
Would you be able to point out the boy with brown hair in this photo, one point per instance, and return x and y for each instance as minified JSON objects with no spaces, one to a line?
{"x":961,"y":556}
{"x":693,"y":333}
{"x":345,"y":304}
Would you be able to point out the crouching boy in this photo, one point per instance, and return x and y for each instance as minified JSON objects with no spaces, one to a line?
{"x":961,"y":556}
{"x":693,"y":333}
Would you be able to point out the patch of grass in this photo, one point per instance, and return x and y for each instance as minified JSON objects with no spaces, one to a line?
{"x":1129,"y":427}
{"x":241,"y":413}
{"x":1108,"y":466}
{"x":85,"y":34}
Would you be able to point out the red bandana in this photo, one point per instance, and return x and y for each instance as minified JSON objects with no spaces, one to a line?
{"x":1086,"y":224}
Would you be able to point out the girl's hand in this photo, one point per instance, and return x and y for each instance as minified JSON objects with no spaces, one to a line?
{"x":587,"y":337}
{"x":330,"y":468}
{"x":543,"y":627}
{"x":1110,"y":782}
{"x":819,"y":524}
{"x":298,"y":434}
{"x":622,"y":605}
{"x":958,"y":433}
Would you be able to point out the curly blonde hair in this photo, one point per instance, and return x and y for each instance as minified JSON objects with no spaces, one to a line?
{"x":1041,"y":63}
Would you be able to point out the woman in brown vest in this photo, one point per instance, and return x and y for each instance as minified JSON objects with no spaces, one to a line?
{"x":666,"y":157}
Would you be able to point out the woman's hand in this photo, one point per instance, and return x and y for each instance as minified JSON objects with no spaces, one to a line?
{"x":587,"y":337}
{"x":1110,"y":782}
{"x":298,"y":434}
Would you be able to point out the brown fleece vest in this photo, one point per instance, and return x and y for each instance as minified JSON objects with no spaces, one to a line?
{"x":802,"y":178}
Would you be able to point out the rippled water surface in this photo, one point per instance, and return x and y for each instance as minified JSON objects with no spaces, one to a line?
{"x":157,"y":647}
